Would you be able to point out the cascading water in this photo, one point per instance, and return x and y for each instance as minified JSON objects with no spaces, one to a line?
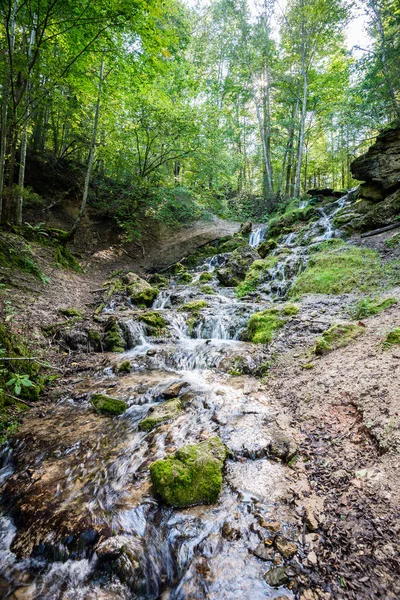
{"x":257,"y":236}
{"x":100,"y":466}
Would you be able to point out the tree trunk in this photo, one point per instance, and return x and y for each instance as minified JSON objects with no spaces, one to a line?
{"x":302,"y":126}
{"x":92,"y":152}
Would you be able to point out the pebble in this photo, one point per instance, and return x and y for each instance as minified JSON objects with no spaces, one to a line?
{"x":312,"y":558}
{"x":286,"y":548}
{"x":272,"y":526}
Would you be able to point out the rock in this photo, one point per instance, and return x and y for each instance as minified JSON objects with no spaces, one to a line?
{"x":124,"y":367}
{"x":114,"y":340}
{"x":154,"y":320}
{"x":246,"y":228}
{"x":312,"y":558}
{"x":174,"y":389}
{"x":381,"y":214}
{"x":108,"y":406}
{"x":311,"y":519}
{"x":282,"y":446}
{"x":264,"y":552}
{"x":193,"y":475}
{"x":121,"y":555}
{"x":266,"y":247}
{"x":235,"y":269}
{"x":285,"y":547}
{"x":140,"y":292}
{"x":380,"y":166}
{"x":276,"y":577}
{"x":160,"y":414}
{"x":272,"y":526}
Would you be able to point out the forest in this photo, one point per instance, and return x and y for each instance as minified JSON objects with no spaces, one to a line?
{"x":199,"y":299}
{"x":169,"y":111}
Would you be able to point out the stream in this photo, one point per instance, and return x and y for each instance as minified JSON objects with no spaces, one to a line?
{"x":78,"y":478}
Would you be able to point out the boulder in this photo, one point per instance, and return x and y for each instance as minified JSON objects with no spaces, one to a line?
{"x":160,"y":414}
{"x":193,"y":475}
{"x":139,"y":291}
{"x":246,"y":228}
{"x":106,"y":405}
{"x":114,"y":339}
{"x":380,"y":214}
{"x":235,"y":269}
{"x":121,"y":555}
{"x":379,"y":168}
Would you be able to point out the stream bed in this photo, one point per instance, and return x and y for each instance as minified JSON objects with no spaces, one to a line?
{"x":80,"y":519}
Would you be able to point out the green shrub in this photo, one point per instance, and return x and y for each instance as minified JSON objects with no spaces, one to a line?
{"x":393,"y":337}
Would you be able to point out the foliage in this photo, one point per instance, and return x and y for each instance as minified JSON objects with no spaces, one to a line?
{"x":367,"y":307}
{"x":19,"y":381}
{"x":393,"y":337}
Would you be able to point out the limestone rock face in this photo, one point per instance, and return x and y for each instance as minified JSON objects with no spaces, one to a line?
{"x":379,"y":195}
{"x":379,"y":168}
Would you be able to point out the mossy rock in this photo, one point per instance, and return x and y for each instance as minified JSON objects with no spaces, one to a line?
{"x":230,"y":245}
{"x":114,"y":340}
{"x":193,"y":307}
{"x":94,"y":339}
{"x":141,"y":293}
{"x":153,"y":319}
{"x":160,"y":414}
{"x":262,"y":326}
{"x":106,"y":405}
{"x":205,"y":277}
{"x":124,"y":367}
{"x":193,"y":475}
{"x":207,"y":289}
{"x":257,"y":274}
{"x":71,"y":312}
{"x":393,"y":337}
{"x":266,"y":247}
{"x":337,"y":336}
{"x":185,"y":278}
{"x":290,"y":310}
{"x":158,"y":280}
{"x":235,"y":269}
{"x":177,"y":269}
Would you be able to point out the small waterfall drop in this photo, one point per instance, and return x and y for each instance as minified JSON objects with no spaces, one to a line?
{"x":257,"y":236}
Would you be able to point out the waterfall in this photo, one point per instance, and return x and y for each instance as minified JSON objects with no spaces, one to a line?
{"x":257,"y":236}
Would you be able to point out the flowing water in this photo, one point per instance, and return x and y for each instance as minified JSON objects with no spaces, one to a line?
{"x":88,"y":475}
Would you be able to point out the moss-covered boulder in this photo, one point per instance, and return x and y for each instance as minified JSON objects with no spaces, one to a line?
{"x":262,"y":326}
{"x":124,"y":367}
{"x":235,"y":269}
{"x":259,"y":272}
{"x":193,"y":475}
{"x":158,"y":280}
{"x":185,"y":278}
{"x":267,"y":247}
{"x":205,"y":276}
{"x":114,"y":340}
{"x":193,"y":307}
{"x":106,"y":405}
{"x":380,"y":214}
{"x":160,"y":414}
{"x":153,"y":319}
{"x":290,"y":310}
{"x":139,"y":291}
{"x":337,"y":336}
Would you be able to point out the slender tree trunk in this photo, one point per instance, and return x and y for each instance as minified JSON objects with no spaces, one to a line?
{"x":302,"y":125}
{"x":10,"y":28}
{"x":24,"y":141}
{"x":92,"y":152}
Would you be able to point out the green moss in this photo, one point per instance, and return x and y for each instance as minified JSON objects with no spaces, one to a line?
{"x":185,"y":278}
{"x":232,"y":244}
{"x":337,"y":336}
{"x":124,"y":367}
{"x":262,"y":326}
{"x":160,"y":414}
{"x":205,"y":277}
{"x":70,"y":312}
{"x":308,"y":366}
{"x":94,"y":339}
{"x":207,"y":289}
{"x":158,"y":280}
{"x":177,"y":269}
{"x":63,"y":258}
{"x":342,"y":270}
{"x":392,"y":338}
{"x":368,"y":307}
{"x":290,"y":310}
{"x":153,"y":319}
{"x":106,"y":405}
{"x":193,"y":307}
{"x":114,"y":340}
{"x":193,"y":475}
{"x":267,"y":247}
{"x":141,"y":293}
{"x":255,"y":275}
{"x":394,"y":241}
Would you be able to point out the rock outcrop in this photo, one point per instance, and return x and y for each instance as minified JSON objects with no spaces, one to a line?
{"x":379,"y":194}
